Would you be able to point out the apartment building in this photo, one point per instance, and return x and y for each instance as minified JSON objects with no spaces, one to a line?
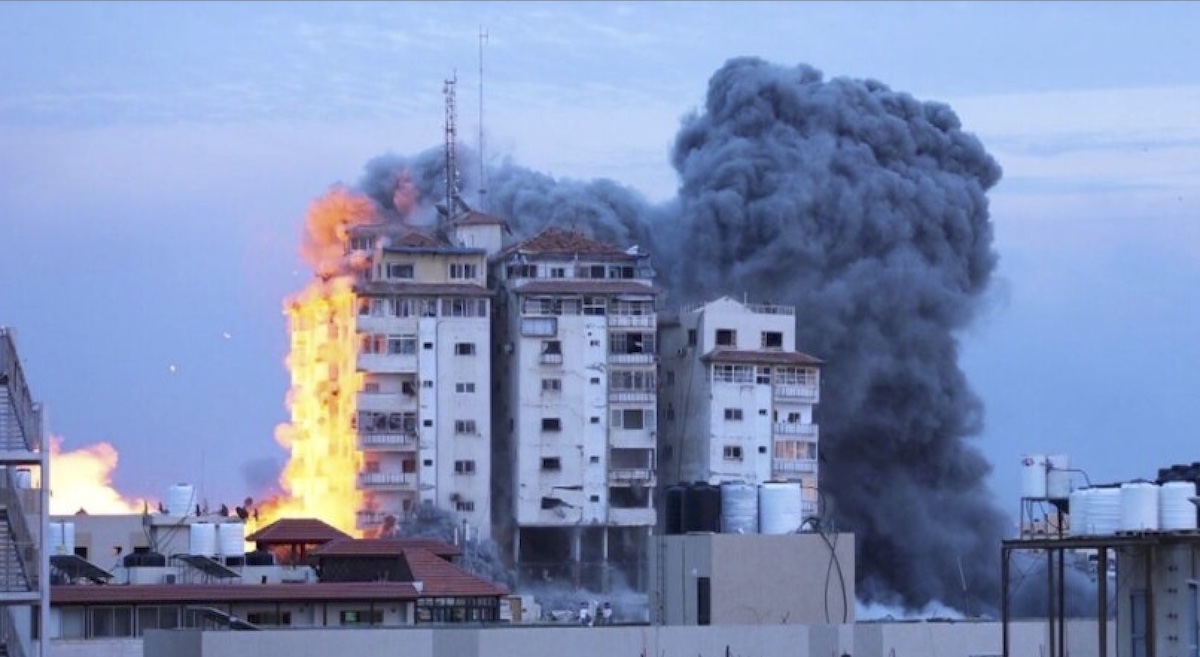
{"x":738,"y":398}
{"x":424,"y":411}
{"x":576,"y":408}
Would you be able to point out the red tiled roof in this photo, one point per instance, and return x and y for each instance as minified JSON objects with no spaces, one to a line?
{"x":473,"y":218}
{"x":385,"y":547}
{"x":442,"y":578}
{"x":286,"y":531}
{"x":584,"y":286}
{"x":417,"y":238}
{"x":197,"y":593}
{"x":561,"y":241}
{"x":721,"y":355}
{"x":421,"y":289}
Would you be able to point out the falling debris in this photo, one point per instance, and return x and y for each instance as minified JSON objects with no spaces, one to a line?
{"x":227,"y":335}
{"x":172,"y":368}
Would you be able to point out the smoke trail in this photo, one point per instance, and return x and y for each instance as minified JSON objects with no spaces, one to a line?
{"x":866,"y":209}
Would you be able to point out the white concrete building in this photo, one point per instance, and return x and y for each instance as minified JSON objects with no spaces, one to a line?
{"x":424,"y":331}
{"x":738,"y":398}
{"x":575,"y":443}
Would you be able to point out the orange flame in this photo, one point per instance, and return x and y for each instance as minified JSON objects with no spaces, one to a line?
{"x":82,"y":479}
{"x":320,"y":478}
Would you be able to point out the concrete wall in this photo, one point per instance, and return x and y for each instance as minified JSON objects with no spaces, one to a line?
{"x":912,"y":639}
{"x":98,"y":648}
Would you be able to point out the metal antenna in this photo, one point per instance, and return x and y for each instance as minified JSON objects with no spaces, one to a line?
{"x":482,"y":176}
{"x":451,"y":157}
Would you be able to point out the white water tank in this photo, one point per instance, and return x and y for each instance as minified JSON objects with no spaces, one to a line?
{"x":1139,"y":506}
{"x":1033,"y":476}
{"x":202,"y":539}
{"x":62,"y":538}
{"x":231,"y":539}
{"x":1079,"y":504}
{"x":739,"y":508}
{"x":1104,"y":510}
{"x":1058,"y":476}
{"x":1175,"y":508}
{"x":779,"y":507}
{"x":181,"y":499}
{"x":23,"y":478}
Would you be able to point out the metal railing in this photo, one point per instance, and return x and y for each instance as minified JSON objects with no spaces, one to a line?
{"x":795,"y":429}
{"x":20,"y":417}
{"x":794,"y":465}
{"x":387,"y":479}
{"x":796,"y":392}
{"x":391,"y":440}
{"x":631,"y":476}
{"x":635,"y":321}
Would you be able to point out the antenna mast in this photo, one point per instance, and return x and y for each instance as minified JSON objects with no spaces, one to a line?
{"x":451,"y":157}
{"x":482,"y":175}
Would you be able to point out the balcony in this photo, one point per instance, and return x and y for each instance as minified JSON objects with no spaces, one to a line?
{"x":387,"y":442}
{"x":387,"y":480}
{"x":633,"y":321}
{"x":632,"y":438}
{"x":796,"y":393}
{"x":387,"y":401}
{"x":388,"y":363}
{"x":795,"y":429}
{"x":550,"y":359}
{"x":631,"y":476}
{"x":631,"y":396}
{"x":370,"y":519}
{"x":632,"y":359}
{"x":794,"y":466}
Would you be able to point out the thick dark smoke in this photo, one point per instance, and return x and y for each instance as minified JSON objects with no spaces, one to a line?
{"x":867,"y":210}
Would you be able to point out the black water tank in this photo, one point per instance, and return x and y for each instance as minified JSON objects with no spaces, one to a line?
{"x":140,"y":559}
{"x":701,"y":508}
{"x":673,"y":514}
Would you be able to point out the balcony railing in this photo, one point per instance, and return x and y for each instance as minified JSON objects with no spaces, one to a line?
{"x":631,"y":396}
{"x":550,"y":359}
{"x":633,"y":321}
{"x":643,"y":476}
{"x":387,"y":441}
{"x":795,"y":429}
{"x":796,"y":392}
{"x":794,"y":465}
{"x":369,"y":519}
{"x":632,"y":359}
{"x":386,"y":480}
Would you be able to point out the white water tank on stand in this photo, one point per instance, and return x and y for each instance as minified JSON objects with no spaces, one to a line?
{"x":202,"y":539}
{"x":739,"y":508}
{"x":1033,"y":476}
{"x":1104,"y":510}
{"x":231,"y":539}
{"x":1175,"y":508}
{"x":1078,"y":506}
{"x":1139,"y":506}
{"x":181,"y":499}
{"x":1058,"y":476}
{"x":779,"y":507}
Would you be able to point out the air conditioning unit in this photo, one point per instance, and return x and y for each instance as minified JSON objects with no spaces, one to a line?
{"x":169,"y":578}
{"x":455,"y":497}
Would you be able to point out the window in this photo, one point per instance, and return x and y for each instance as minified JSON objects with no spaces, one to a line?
{"x":733,"y":452}
{"x":552,"y":464}
{"x":401,"y":345}
{"x":395,"y":270}
{"x":269,"y":617}
{"x":464,"y":506}
{"x":594,"y":305}
{"x":551,"y":385}
{"x":464,"y":388}
{"x":362,"y":243}
{"x":558,"y":272}
{"x":464,"y":467}
{"x":427,"y":383}
{"x":112,"y":621}
{"x":461,"y":270}
{"x":726,"y":338}
{"x":764,"y":376}
{"x":732,"y":374}
{"x":371,"y":388}
{"x":465,"y":427}
{"x":631,"y":343}
{"x":361,"y":617}
{"x":691,"y":337}
{"x":632,"y":380}
{"x":551,"y":347}
{"x":772,"y":340}
{"x":402,"y":307}
{"x":551,"y":424}
{"x":539,"y":327}
{"x":595,"y":380}
{"x":733,"y":414}
{"x":795,"y":376}
{"x":427,"y":423}
{"x":632,"y":418}
{"x":595,"y":419}
{"x":428,"y":345}
{"x":428,"y":307}
{"x":1138,"y":624}
{"x":464,"y":349}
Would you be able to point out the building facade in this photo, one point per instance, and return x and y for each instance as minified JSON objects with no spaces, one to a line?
{"x":424,"y":330}
{"x":738,"y":398}
{"x":576,"y":411}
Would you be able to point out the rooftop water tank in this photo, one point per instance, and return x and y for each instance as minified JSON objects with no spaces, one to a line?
{"x":202,"y":539}
{"x":779,"y":507}
{"x":1175,"y":508}
{"x":1139,"y":506}
{"x":1104,"y":510}
{"x":739,"y":508}
{"x":701,"y":508}
{"x":1033,"y":476}
{"x":1078,"y":505}
{"x":1058,"y":477}
{"x":231,"y":539}
{"x":181,"y":498}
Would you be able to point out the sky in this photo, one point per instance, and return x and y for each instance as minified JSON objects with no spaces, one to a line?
{"x":157,"y":160}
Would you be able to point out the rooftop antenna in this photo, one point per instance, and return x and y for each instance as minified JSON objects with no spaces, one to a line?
{"x":482,"y":176}
{"x":451,"y":158}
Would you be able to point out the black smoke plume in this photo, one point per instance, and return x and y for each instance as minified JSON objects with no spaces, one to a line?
{"x":866,"y":209}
